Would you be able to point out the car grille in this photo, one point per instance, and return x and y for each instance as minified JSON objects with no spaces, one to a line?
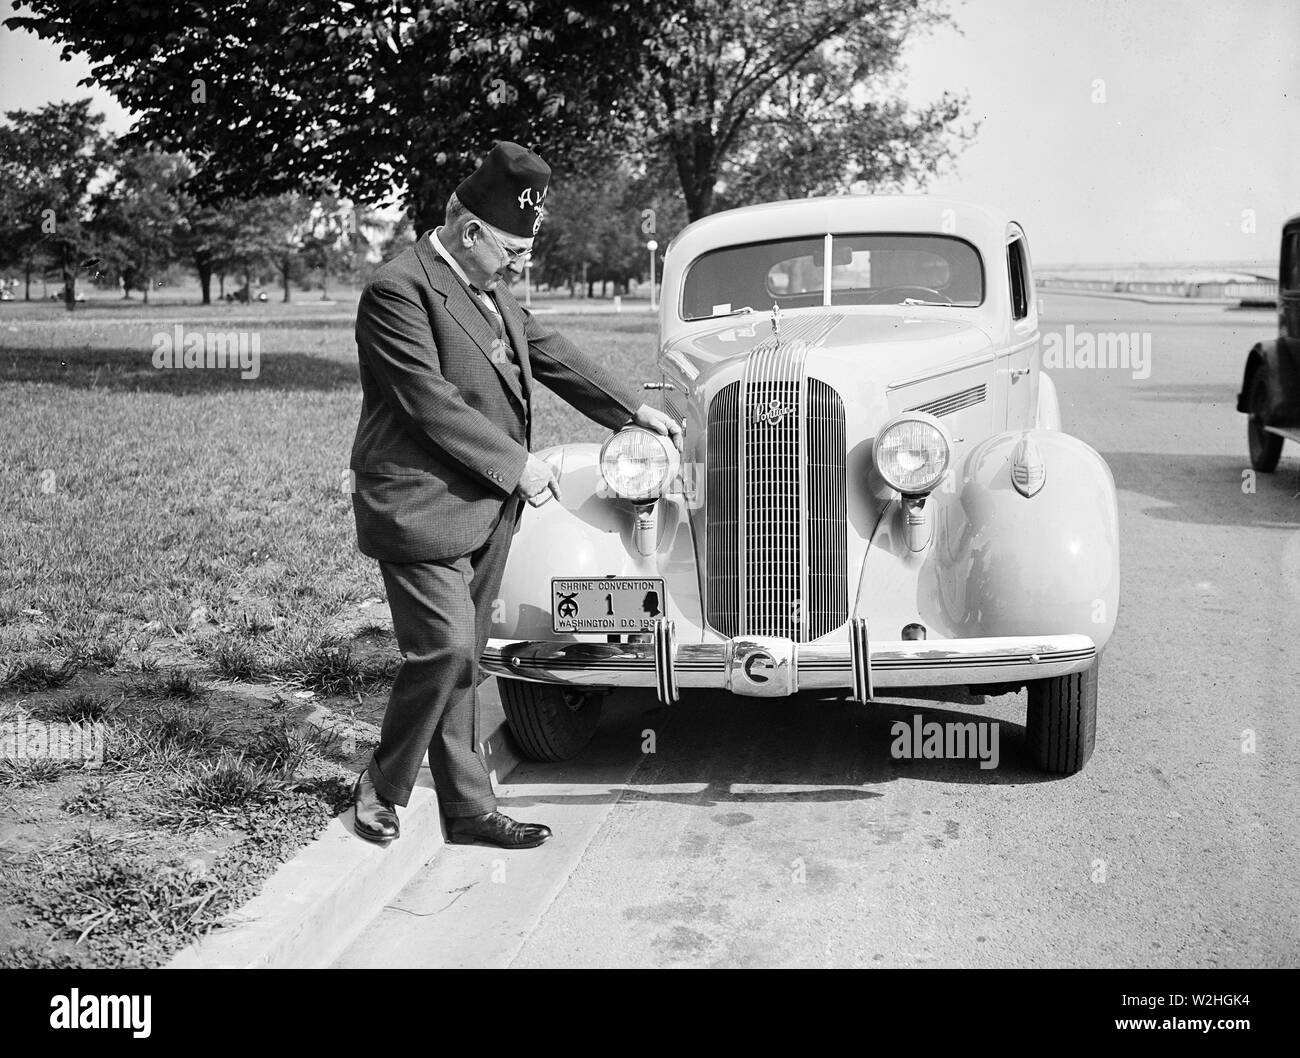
{"x":775,"y":501}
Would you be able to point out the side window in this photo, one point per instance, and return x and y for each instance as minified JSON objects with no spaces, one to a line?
{"x":1018,"y":270}
{"x":1290,"y":271}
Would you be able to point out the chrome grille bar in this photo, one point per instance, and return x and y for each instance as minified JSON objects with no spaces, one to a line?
{"x":721,"y":492}
{"x":775,"y":506}
{"x":825,"y":474}
{"x":771,"y":454}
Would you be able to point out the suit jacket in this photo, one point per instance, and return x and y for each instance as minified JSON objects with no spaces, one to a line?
{"x":445,"y":429}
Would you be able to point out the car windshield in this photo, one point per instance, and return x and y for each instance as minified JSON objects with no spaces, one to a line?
{"x":865,"y":270}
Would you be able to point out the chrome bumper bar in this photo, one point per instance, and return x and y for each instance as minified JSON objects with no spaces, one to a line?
{"x":773,"y":667}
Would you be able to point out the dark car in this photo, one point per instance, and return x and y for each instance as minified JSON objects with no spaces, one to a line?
{"x":1270,"y":387}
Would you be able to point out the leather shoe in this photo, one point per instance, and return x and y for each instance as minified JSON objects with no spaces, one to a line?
{"x":376,"y":816}
{"x":494,"y":828}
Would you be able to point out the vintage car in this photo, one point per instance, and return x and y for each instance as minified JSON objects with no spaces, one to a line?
{"x":1270,"y":385}
{"x":875,"y":496}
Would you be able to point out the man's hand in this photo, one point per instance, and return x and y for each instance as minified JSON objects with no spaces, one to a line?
{"x":538,"y":482}
{"x":659,"y":422}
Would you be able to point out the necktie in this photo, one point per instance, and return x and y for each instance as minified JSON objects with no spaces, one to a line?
{"x":489,"y":310}
{"x":503,"y":352}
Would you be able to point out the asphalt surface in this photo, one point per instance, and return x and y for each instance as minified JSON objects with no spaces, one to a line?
{"x":784,"y":833}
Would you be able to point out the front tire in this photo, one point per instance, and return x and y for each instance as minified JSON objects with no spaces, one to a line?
{"x":550,"y":723}
{"x":1265,"y":447}
{"x":1061,"y":725}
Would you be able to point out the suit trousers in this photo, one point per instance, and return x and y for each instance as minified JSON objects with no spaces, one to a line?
{"x":442,"y":614}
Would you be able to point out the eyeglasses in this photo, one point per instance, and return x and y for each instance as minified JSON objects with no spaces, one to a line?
{"x":512,"y":256}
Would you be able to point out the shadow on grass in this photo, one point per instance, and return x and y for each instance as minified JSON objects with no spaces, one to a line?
{"x":132,"y":370}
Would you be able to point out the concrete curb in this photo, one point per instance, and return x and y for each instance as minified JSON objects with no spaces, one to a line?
{"x":315,"y":904}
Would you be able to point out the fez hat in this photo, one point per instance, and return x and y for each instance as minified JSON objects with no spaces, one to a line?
{"x":507,"y":190}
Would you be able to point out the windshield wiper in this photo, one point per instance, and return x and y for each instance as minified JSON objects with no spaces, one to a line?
{"x":733,"y":312}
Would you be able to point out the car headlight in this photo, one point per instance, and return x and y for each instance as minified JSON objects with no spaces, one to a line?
{"x":637,"y":463}
{"x":912,"y":453}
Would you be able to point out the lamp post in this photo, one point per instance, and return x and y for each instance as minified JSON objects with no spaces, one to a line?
{"x":652,"y":246}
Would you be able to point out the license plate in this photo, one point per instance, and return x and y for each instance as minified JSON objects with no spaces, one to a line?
{"x":622,"y":604}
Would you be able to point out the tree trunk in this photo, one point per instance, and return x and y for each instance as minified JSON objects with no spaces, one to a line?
{"x":27,"y":276}
{"x":284,"y":274}
{"x":204,"y":267}
{"x":697,"y":175}
{"x":221,"y":288}
{"x":702,"y":203}
{"x":70,"y":290}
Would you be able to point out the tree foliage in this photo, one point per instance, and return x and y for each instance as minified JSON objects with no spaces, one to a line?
{"x":738,"y":100}
{"x":138,"y":218}
{"x":603,"y":218}
{"x":291,"y":95}
{"x":48,"y":160}
{"x":336,"y":242}
{"x":786,"y":98}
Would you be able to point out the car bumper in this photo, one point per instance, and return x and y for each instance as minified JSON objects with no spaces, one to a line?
{"x":764,"y":666}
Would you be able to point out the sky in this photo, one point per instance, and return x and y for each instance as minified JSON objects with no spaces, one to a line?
{"x":1153,"y":131}
{"x":1200,"y":122}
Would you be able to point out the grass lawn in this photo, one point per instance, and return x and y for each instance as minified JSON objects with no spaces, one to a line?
{"x":178,"y":563}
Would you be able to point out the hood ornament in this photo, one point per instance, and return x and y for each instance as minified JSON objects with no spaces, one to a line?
{"x":776,"y":319}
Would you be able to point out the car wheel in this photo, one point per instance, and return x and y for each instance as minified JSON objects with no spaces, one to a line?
{"x":1061,"y":725}
{"x":1265,"y":447}
{"x":550,"y":723}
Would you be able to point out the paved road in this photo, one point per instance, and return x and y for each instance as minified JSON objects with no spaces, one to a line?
{"x":784,"y":834}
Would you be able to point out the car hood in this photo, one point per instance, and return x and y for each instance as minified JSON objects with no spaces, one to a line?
{"x":863,"y":351}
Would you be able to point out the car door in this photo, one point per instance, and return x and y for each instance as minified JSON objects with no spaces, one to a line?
{"x":1288,"y":289}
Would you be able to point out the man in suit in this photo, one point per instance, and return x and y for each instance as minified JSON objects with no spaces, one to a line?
{"x":442,"y":466}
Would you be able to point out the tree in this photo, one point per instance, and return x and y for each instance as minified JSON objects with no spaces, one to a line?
{"x":253,"y":234}
{"x":20,"y":210}
{"x":740,"y":99}
{"x":200,"y":237}
{"x":294,"y":95}
{"x":785,"y":98}
{"x":51,"y":155}
{"x":138,"y":217}
{"x":402,"y":236}
{"x":286,"y":233}
{"x":336,"y":239}
{"x":598,"y":221}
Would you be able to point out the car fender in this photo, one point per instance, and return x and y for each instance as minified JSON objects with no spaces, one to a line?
{"x":1047,"y":564}
{"x":1283,"y":374}
{"x":1049,"y":404}
{"x":589,"y":533}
